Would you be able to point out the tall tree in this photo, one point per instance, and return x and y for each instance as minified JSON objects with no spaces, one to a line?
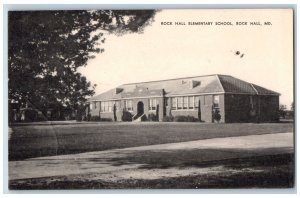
{"x":45,"y":49}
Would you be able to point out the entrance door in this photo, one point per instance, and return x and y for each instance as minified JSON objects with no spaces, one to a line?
{"x":140,"y":108}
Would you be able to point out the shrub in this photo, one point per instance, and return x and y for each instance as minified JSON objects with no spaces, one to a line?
{"x":152,"y":117}
{"x":95,"y":118}
{"x":41,"y":117}
{"x":29,"y":115}
{"x":185,"y":119}
{"x":88,"y":118}
{"x":168,"y":119}
{"x":217,"y":115}
{"x":78,"y":117}
{"x":126,"y":116}
{"x":106,"y":120}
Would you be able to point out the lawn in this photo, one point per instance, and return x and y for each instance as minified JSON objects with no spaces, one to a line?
{"x":45,"y":140}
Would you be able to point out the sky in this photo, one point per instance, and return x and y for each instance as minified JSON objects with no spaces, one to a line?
{"x":173,"y":51}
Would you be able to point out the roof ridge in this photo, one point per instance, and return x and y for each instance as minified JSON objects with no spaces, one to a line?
{"x":170,"y":79}
{"x":220,"y":82}
{"x":254,"y":88}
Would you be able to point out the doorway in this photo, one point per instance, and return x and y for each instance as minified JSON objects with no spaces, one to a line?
{"x":140,"y":108}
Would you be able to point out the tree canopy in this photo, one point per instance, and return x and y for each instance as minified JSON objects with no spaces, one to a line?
{"x":45,"y":49}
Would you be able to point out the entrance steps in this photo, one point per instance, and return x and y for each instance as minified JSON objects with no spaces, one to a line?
{"x":139,"y":119}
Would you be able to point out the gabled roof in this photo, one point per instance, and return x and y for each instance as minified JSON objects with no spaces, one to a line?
{"x":208,"y":84}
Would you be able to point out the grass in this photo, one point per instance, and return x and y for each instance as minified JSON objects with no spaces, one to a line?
{"x":46,"y":140}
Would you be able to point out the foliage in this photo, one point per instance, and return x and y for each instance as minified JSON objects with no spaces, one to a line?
{"x":29,"y":115}
{"x":126,"y":116}
{"x":217,"y":115}
{"x":106,"y":120}
{"x":46,"y":48}
{"x":199,"y":111}
{"x":157,"y":112}
{"x":115,"y":112}
{"x":152,"y":117}
{"x":282,"y":110}
{"x":95,"y":118}
{"x":181,"y":118}
{"x":168,"y":119}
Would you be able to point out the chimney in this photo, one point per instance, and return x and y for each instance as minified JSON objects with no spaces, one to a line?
{"x":193,"y":84}
{"x":118,"y":90}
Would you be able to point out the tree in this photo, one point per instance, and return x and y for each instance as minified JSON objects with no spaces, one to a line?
{"x":115,"y":112}
{"x":157,"y":112}
{"x":199,"y":111}
{"x":282,"y":110}
{"x":46,"y":48}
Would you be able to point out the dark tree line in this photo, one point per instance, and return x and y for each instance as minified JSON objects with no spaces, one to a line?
{"x":46,"y":48}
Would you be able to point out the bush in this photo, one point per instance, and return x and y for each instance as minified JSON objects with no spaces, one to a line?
{"x":152,"y":117}
{"x":29,"y":115}
{"x":217,"y":115}
{"x":106,"y":120}
{"x":95,"y":118}
{"x":41,"y":117}
{"x":185,"y":119}
{"x":126,"y":116}
{"x":78,"y":117}
{"x":168,"y":119}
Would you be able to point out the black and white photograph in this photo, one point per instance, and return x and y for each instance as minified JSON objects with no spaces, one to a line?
{"x":151,"y":99}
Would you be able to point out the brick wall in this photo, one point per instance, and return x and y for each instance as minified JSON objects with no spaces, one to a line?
{"x":238,"y":108}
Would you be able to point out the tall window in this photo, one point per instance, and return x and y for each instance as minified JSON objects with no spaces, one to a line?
{"x":174,"y":103}
{"x":185,"y":102}
{"x":216,"y":101}
{"x":102,"y":106}
{"x":152,"y":103}
{"x":110,"y":106}
{"x":95,"y":105}
{"x":106,"y":106}
{"x":191,"y":102}
{"x":179,"y":103}
{"x":196,"y":100}
{"x":128,"y":105}
{"x":91,"y":105}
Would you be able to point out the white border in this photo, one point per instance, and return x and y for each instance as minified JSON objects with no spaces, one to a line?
{"x":224,"y":193}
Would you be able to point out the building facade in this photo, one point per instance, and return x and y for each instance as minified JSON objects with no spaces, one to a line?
{"x":217,"y":98}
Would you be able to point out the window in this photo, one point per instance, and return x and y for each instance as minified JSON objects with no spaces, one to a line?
{"x":152,"y":103}
{"x":185,"y":102}
{"x":128,"y":105}
{"x":110,"y":104}
{"x":102,"y":107}
{"x":216,"y":101}
{"x":95,"y":105}
{"x":107,"y":106}
{"x":174,"y":103}
{"x":91,"y":105}
{"x":179,"y":102}
{"x":196,"y":100}
{"x":191,"y":102}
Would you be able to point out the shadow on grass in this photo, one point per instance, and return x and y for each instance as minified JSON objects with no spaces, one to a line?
{"x":275,"y":171}
{"x":182,"y":158}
